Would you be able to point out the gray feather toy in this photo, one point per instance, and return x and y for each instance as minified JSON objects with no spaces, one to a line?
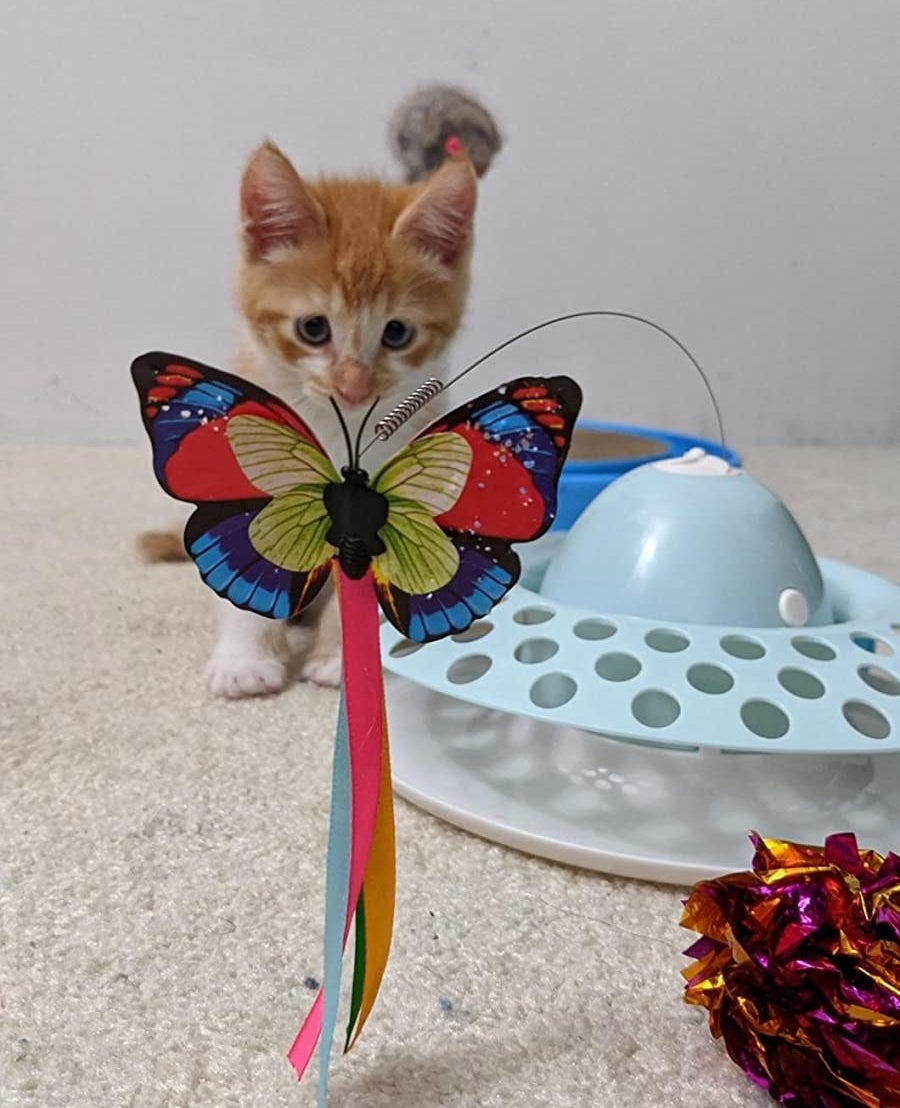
{"x":437,"y":121}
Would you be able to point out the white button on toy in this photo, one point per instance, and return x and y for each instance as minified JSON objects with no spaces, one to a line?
{"x":697,"y":463}
{"x":793,"y":608}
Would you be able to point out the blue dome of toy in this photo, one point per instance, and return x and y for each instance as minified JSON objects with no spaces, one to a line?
{"x":691,"y":539}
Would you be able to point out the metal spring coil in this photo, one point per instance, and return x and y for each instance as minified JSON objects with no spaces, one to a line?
{"x":406,"y":409}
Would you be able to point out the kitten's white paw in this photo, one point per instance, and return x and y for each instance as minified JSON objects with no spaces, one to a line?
{"x":239,"y":675}
{"x":323,"y":669}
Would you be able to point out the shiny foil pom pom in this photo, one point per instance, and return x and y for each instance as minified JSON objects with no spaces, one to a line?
{"x":798,"y":965}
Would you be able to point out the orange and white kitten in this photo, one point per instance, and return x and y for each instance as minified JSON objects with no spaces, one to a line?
{"x":351,"y":288}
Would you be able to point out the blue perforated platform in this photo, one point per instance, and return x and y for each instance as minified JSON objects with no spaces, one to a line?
{"x":827,"y":690}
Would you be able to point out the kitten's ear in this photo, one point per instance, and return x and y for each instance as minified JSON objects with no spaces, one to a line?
{"x":278,"y":209}
{"x":439,"y":220}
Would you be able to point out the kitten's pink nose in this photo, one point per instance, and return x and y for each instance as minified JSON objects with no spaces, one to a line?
{"x":353,"y":382}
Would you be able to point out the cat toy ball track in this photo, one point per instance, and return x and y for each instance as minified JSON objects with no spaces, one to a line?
{"x":650,"y":747}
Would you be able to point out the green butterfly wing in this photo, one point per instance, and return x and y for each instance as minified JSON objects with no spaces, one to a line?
{"x":423,"y":480}
{"x":275,"y":458}
{"x":431,"y":471}
{"x":419,"y":557}
{"x":290,"y":531}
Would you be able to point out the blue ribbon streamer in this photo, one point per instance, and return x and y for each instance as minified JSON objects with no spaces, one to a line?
{"x":337,"y":881}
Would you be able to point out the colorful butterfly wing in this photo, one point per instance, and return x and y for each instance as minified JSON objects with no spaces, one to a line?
{"x":474,"y":482}
{"x":519,"y":435}
{"x":186,"y":408}
{"x":257,"y":474}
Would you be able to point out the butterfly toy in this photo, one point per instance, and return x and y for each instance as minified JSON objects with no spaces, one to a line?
{"x":430,"y":536}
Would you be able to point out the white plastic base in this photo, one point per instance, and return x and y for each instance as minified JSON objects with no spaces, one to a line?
{"x":636,"y":811}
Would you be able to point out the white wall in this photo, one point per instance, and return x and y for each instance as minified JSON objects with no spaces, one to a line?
{"x":730,"y":168}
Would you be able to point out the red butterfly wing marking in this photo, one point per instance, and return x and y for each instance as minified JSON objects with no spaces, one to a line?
{"x":204,"y":466}
{"x":546,"y":410}
{"x":499,"y":498}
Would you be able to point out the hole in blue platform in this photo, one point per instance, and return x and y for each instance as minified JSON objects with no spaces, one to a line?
{"x":667,"y":641}
{"x":881,"y":680}
{"x":871,"y":643}
{"x":866,"y":720}
{"x":707,"y":678}
{"x":814,"y":648}
{"x":476,"y":631}
{"x":468,"y":669}
{"x":800,"y":683}
{"x":593,"y":630}
{"x":655,"y":708}
{"x":530,"y":616}
{"x":404,"y":648}
{"x":536,"y":650}
{"x":765,"y":719}
{"x":617,"y":667}
{"x":552,"y":690}
{"x":739,"y":646}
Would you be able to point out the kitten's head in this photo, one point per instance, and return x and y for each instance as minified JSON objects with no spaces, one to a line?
{"x":347,"y":285}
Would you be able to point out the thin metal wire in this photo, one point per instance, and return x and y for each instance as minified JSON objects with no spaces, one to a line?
{"x":399,"y":415}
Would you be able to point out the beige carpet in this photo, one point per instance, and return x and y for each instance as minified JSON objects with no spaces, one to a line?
{"x":162,"y":855}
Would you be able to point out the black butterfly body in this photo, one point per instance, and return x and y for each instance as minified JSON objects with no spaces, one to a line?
{"x":357,"y":514}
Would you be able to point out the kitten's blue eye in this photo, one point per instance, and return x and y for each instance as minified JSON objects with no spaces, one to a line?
{"x":313,"y":329}
{"x":397,"y":334}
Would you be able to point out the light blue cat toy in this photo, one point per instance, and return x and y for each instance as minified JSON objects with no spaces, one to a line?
{"x":671,"y":672}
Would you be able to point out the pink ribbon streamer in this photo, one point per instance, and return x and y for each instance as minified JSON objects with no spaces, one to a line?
{"x":363,"y":694}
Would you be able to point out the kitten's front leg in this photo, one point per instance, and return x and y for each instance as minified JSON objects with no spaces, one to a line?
{"x":246,"y":660}
{"x":323,"y":663}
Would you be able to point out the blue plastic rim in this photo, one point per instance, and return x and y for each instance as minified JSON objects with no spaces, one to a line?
{"x":584,"y":478}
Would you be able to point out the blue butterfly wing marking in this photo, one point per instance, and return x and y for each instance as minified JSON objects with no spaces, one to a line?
{"x":487,"y":571}
{"x":187,"y":411}
{"x":178,"y":396}
{"x":217,"y":538}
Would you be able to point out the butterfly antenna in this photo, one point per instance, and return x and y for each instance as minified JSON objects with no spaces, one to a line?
{"x":359,"y":433}
{"x":351,"y":459}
